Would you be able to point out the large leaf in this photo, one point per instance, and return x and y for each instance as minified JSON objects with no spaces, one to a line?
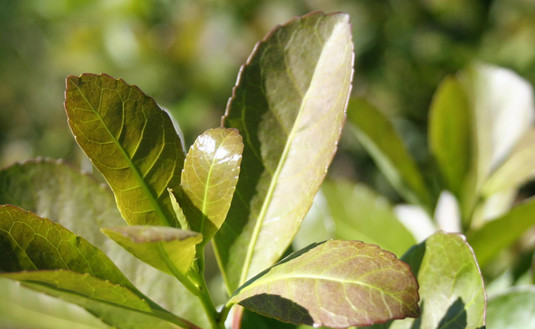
{"x":336,"y":284}
{"x":168,"y":249}
{"x":209,"y":179}
{"x":450,"y":133}
{"x":451,"y":287}
{"x":83,"y":205}
{"x":500,"y":233}
{"x":131,"y":141}
{"x":21,"y":307}
{"x":289,"y":106}
{"x":380,"y":139}
{"x":513,"y":309}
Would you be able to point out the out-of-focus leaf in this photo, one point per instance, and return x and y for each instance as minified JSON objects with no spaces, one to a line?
{"x":25,"y":308}
{"x":451,"y":287}
{"x":131,"y":141}
{"x":289,"y":105}
{"x":168,"y":249}
{"x":380,"y":139}
{"x":81,"y":204}
{"x":517,"y":168}
{"x":513,"y":309}
{"x":209,"y":179}
{"x":47,"y":257}
{"x":500,"y":233}
{"x":360,"y":214}
{"x":450,"y":133}
{"x":335,"y":284}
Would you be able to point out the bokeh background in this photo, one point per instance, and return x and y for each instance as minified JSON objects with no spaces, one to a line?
{"x":187,"y":53}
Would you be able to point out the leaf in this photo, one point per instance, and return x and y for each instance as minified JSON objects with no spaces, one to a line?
{"x":25,"y":308}
{"x":289,"y":106}
{"x":168,"y":249}
{"x":512,"y":309}
{"x":379,"y":138}
{"x":209,"y":179}
{"x":450,"y":133}
{"x":500,"y":233}
{"x":336,"y":284}
{"x":131,"y":141}
{"x":81,"y":204}
{"x":114,"y":304}
{"x":49,"y":258}
{"x":451,"y":287}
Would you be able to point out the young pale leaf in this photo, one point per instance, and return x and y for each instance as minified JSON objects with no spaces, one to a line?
{"x":289,"y":105}
{"x":83,"y":205}
{"x":209,"y":179}
{"x":451,"y":287}
{"x":131,"y":141}
{"x":513,"y":309}
{"x":500,"y":233}
{"x":113,"y":304}
{"x":335,"y":284}
{"x":450,"y":133}
{"x":168,"y":249}
{"x":380,"y":139}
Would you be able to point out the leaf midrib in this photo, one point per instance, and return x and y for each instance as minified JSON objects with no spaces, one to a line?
{"x":154,"y":202}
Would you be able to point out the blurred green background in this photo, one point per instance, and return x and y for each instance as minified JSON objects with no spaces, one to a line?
{"x":186,"y":54}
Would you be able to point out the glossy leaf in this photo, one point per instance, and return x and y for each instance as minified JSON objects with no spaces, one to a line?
{"x":131,"y":141}
{"x":168,"y":249}
{"x":384,"y":145}
{"x":289,"y":106}
{"x":450,"y":133}
{"x":335,"y":284}
{"x":500,"y":233}
{"x":83,"y":205}
{"x":451,"y":287}
{"x":209,"y":179}
{"x":513,"y":309}
{"x":21,"y":307}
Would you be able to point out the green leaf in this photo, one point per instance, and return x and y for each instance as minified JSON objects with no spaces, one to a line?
{"x":168,"y":249}
{"x":513,"y":309}
{"x":21,"y":307}
{"x":500,"y":233}
{"x":131,"y":141}
{"x":450,"y":133}
{"x":114,"y":304}
{"x":336,"y":284}
{"x":83,"y":205}
{"x":209,"y":179}
{"x":289,"y":106}
{"x":451,"y":287}
{"x":380,"y":139}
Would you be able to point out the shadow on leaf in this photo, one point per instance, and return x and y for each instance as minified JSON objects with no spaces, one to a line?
{"x":279,"y":308}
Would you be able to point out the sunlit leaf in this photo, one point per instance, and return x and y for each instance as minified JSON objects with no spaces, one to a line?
{"x":131,"y":141}
{"x":450,"y":133}
{"x":209,"y":179}
{"x":497,"y":234}
{"x":335,"y":284}
{"x":78,"y":202}
{"x":380,"y":139}
{"x":513,"y":309}
{"x":451,"y":287}
{"x":289,"y":106}
{"x":168,"y":249}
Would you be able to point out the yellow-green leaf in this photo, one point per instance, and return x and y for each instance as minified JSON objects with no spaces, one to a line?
{"x":335,"y":284}
{"x":209,"y":179}
{"x":168,"y":249}
{"x":289,"y":105}
{"x":131,"y":141}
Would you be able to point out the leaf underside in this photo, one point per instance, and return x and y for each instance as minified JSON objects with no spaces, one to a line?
{"x":335,"y":284}
{"x":131,"y":141}
{"x":289,"y":106}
